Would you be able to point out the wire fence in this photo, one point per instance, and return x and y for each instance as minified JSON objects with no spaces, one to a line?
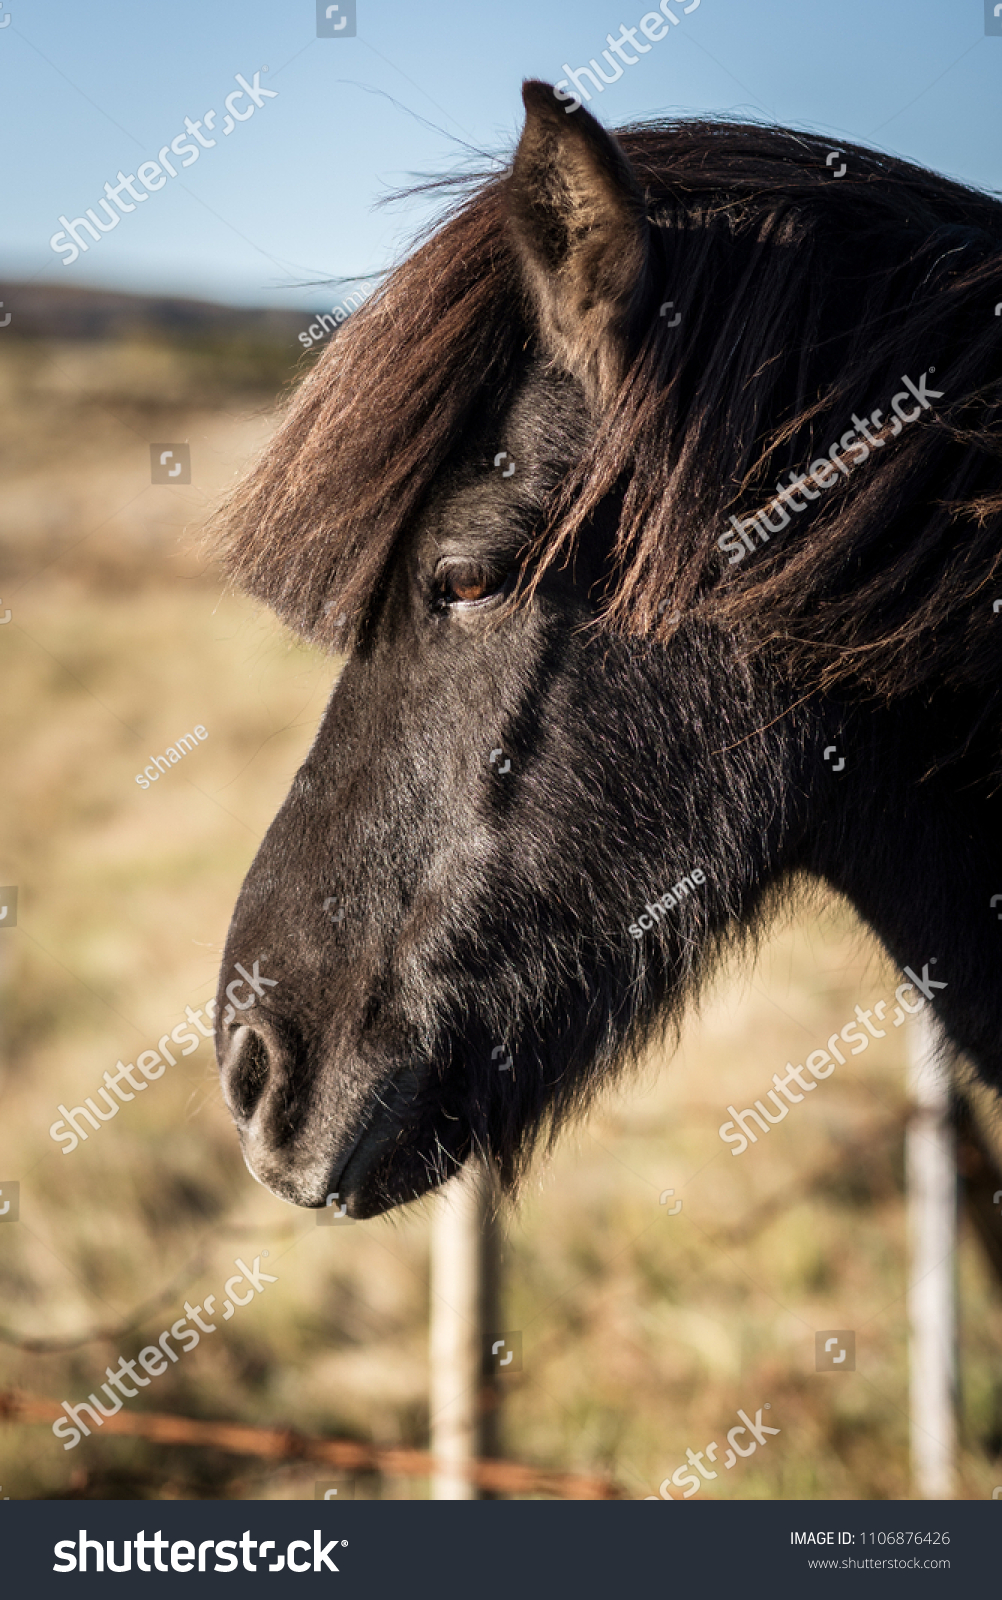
{"x":346,"y":1455}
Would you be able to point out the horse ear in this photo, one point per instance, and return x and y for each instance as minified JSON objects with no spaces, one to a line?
{"x":579,"y":222}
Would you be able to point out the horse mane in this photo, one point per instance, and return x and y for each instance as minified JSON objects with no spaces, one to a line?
{"x":804,"y":297}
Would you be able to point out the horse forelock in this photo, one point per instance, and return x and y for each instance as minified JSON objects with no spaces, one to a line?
{"x":801,"y":297}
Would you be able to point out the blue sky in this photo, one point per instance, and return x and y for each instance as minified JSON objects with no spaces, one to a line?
{"x":288,"y":197}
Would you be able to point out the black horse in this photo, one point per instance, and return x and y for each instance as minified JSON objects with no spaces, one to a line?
{"x":656,"y":503}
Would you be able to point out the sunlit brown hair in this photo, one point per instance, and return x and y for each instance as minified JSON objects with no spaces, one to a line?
{"x":804,"y":297}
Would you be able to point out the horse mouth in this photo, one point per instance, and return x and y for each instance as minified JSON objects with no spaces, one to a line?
{"x":387,"y":1167}
{"x":352,"y":1180}
{"x":382,"y":1169}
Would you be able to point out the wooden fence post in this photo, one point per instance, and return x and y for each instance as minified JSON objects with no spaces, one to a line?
{"x":464,"y":1301}
{"x":931,"y":1185}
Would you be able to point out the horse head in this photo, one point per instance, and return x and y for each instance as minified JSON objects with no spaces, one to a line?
{"x":578,"y":743}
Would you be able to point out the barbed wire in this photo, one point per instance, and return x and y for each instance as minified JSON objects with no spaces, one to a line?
{"x":348,"y":1455}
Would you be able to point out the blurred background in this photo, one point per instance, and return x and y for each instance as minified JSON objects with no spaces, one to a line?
{"x":643,"y":1329}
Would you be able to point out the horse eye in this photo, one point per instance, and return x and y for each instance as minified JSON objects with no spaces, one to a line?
{"x":466,"y":585}
{"x":467,"y":590}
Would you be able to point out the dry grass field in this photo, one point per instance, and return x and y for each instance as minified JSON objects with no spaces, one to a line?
{"x":643,"y":1331}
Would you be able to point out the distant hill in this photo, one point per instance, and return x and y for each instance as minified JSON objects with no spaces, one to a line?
{"x":57,"y":311}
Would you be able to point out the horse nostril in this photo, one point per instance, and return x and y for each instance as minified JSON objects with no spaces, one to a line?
{"x":247,"y":1068}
